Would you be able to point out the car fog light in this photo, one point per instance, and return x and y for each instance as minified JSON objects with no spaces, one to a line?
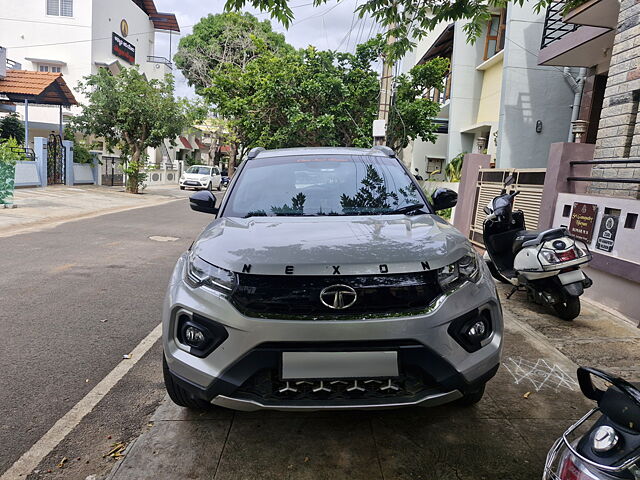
{"x":477,"y":330}
{"x":194,"y":336}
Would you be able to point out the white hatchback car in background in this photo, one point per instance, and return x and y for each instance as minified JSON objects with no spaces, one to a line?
{"x":201,"y":177}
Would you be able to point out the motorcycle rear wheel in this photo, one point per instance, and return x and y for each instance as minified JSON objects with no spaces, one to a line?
{"x":569,"y":309}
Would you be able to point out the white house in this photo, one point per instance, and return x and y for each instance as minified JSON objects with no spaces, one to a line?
{"x":76,"y":38}
{"x":496,"y":97}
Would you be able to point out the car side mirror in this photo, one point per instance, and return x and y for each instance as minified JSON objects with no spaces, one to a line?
{"x":203,"y":202}
{"x":444,"y":198}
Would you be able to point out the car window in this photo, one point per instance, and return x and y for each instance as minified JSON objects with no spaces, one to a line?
{"x":322,"y":185}
{"x":199,"y":170}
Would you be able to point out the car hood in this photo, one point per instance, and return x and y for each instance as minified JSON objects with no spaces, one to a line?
{"x":194,"y":175}
{"x":331,"y":245}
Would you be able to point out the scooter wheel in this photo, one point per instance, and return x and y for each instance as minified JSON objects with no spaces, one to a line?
{"x":569,"y":309}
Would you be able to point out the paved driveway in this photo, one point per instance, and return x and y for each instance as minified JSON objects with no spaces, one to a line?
{"x":530,"y":402}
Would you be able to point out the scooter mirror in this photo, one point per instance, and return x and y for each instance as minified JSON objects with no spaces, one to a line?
{"x":510,"y":180}
{"x":487,"y":210}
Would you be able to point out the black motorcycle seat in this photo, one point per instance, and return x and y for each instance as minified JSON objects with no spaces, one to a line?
{"x":524,"y":236}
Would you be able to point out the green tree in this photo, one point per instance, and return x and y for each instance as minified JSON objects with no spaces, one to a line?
{"x":81,"y":148}
{"x":405,"y":20}
{"x":9,"y":155}
{"x":12,"y":127}
{"x":131,"y":113}
{"x":321,"y":98}
{"x":225,"y":38}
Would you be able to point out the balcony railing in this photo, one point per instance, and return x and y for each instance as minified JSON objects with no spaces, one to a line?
{"x":163,"y":60}
{"x":554,"y":27}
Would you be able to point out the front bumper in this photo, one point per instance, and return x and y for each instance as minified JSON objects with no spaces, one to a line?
{"x":190,"y":183}
{"x":243,"y":372}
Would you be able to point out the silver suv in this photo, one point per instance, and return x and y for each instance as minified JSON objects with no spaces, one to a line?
{"x":327,"y":281}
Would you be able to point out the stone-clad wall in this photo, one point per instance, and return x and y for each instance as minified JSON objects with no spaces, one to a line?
{"x":619,"y":133}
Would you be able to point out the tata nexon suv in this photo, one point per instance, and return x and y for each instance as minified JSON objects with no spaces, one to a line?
{"x":327,"y":281}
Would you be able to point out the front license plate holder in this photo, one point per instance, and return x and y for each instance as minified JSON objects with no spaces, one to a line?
{"x":319,"y":365}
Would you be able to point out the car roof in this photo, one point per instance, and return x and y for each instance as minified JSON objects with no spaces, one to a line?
{"x":208,"y":166}
{"x":301,"y":151}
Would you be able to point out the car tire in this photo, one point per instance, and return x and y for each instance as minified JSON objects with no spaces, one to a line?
{"x":471,"y":398}
{"x":220,"y":187}
{"x":182,"y":188}
{"x":179,"y":395}
{"x":210,"y":186}
{"x":568,"y":310}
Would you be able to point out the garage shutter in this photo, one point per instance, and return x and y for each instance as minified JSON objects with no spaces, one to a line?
{"x":530,"y":183}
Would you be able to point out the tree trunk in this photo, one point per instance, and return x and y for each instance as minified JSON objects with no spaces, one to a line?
{"x":232,"y":160}
{"x":134,"y":172}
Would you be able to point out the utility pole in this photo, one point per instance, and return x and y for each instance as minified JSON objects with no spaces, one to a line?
{"x":386,"y":94}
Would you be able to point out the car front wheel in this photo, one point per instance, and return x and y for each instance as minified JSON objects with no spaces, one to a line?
{"x":471,"y":398}
{"x":179,"y":395}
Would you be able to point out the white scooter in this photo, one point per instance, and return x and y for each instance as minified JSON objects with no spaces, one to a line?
{"x":544,"y":263}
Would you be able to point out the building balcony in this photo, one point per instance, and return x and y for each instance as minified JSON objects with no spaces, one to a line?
{"x":581,"y":38}
{"x":162,"y":60}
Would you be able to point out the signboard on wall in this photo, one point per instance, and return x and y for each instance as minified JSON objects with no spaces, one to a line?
{"x":607,"y":234}
{"x":123,"y":49}
{"x":583,"y":218}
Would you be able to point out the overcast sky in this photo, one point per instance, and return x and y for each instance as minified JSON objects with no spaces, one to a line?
{"x":329,"y":27}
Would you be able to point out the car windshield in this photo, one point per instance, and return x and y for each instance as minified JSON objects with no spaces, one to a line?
{"x":199,"y":170}
{"x":322,"y":185}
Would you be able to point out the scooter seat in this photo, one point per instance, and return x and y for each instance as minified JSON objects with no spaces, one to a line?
{"x":524,"y":236}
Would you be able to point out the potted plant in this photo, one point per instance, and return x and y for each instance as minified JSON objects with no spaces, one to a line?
{"x":9,"y":155}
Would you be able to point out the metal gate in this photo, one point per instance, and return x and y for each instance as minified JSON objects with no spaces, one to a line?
{"x":56,"y":160}
{"x":112,"y":171}
{"x":530,"y":183}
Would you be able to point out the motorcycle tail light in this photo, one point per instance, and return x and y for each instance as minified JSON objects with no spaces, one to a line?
{"x":567,"y":256}
{"x":572,"y":470}
{"x":550,"y":256}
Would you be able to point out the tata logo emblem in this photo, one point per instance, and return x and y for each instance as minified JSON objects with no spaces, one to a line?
{"x":338,"y":297}
{"x":124,"y":27}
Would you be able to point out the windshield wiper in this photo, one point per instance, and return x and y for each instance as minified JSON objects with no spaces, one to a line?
{"x":406,"y":209}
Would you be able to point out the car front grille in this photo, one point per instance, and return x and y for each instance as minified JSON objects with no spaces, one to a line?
{"x":282,"y":296}
{"x":265,"y":386}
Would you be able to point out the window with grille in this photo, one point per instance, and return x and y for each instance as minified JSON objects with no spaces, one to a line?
{"x":49,"y":68}
{"x":434,"y":165}
{"x":60,"y":8}
{"x":494,"y":41}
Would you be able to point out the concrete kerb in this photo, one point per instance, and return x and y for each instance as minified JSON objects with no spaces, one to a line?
{"x":47,"y":208}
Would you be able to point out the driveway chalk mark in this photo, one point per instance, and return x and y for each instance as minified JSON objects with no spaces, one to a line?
{"x":539,"y":374}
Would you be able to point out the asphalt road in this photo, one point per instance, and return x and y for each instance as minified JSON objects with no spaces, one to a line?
{"x":73,"y":300}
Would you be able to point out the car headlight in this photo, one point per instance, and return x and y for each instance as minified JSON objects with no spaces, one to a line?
{"x":465,"y":269}
{"x":201,"y":273}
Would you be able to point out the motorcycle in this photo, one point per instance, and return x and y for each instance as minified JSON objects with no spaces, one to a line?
{"x":544,"y":263}
{"x":610,"y":448}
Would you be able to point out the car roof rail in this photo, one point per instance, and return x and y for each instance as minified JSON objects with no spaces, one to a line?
{"x":253,"y":153}
{"x":384,"y":149}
